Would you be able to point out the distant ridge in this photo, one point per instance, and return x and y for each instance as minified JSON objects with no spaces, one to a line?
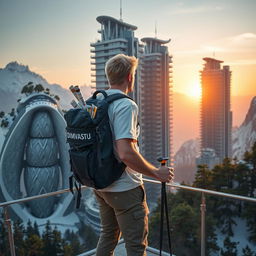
{"x":15,"y":75}
{"x":243,"y":138}
{"x":15,"y":66}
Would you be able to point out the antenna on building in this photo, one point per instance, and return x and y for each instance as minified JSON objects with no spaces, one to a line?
{"x":155,"y":29}
{"x":213,"y":54}
{"x":121,"y":10}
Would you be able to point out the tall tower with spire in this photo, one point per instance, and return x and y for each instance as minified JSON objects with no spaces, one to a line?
{"x":156,"y":104}
{"x":156,"y":100}
{"x":116,"y":37}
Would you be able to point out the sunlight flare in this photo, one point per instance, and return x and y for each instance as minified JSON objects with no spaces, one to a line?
{"x":195,"y":91}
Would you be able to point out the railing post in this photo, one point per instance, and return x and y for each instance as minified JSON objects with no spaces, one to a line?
{"x":9,"y":228}
{"x":203,"y":210}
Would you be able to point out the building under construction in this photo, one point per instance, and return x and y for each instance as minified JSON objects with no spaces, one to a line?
{"x":216,"y":116}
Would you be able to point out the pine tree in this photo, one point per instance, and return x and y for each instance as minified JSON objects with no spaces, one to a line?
{"x":4,"y":243}
{"x":184,"y":222}
{"x":56,"y":97}
{"x":73,"y":239}
{"x":211,"y":237}
{"x":2,"y":114}
{"x":250,"y":208}
{"x":203,"y":177}
{"x":32,"y":230}
{"x":12,"y":112}
{"x":242,"y":173}
{"x":34,"y":245}
{"x":4,"y":123}
{"x":19,"y":233}
{"x":30,"y":89}
{"x":250,"y":216}
{"x":47,"y":238}
{"x":225,"y":209}
{"x":47,"y":91}
{"x":24,"y":90}
{"x":35,"y":229}
{"x":88,"y":236}
{"x":250,"y":158}
{"x":67,"y":249}
{"x":29,"y":229}
{"x":57,"y":242}
{"x":39,"y":88}
{"x":33,"y":241}
{"x":248,"y":252}
{"x":230,"y":248}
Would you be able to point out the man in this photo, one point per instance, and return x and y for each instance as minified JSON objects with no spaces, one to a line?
{"x":123,"y":207}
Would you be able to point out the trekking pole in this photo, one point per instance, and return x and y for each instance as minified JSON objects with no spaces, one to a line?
{"x":164,"y":205}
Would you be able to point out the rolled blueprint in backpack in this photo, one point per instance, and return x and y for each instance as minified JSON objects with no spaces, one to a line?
{"x":77,"y":95}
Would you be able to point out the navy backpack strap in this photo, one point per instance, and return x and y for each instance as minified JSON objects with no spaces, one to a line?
{"x":116,"y":96}
{"x":99,"y":91}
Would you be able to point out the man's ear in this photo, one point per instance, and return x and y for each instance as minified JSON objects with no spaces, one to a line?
{"x":129,"y":78}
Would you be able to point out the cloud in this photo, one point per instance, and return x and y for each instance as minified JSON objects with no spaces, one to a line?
{"x":202,"y":50}
{"x":243,"y":44}
{"x":244,"y":36}
{"x":196,"y":9}
{"x":243,"y":62}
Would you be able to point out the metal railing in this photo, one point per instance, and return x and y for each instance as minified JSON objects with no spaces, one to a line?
{"x":7,"y":219}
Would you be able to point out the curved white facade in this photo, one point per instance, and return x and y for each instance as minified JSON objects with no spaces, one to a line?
{"x":34,"y":160}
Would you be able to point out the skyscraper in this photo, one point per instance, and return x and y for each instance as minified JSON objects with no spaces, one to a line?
{"x":155,"y":105}
{"x":156,"y":100}
{"x":116,"y":37}
{"x":216,"y":116}
{"x":153,"y":85}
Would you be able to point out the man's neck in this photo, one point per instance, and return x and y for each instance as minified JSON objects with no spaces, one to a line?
{"x":121,"y":87}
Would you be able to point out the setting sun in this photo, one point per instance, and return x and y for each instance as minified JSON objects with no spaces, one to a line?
{"x":194,"y":91}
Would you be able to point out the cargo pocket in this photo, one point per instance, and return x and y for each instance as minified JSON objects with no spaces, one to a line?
{"x":140,"y":219}
{"x":139,"y":214}
{"x":144,"y":201}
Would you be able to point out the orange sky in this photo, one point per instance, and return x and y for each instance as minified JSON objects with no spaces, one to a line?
{"x":53,"y":38}
{"x":57,"y":45}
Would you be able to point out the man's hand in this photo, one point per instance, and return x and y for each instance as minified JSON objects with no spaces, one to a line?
{"x":165,"y":174}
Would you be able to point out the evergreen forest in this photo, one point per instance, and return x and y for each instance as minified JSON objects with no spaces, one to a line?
{"x":222,"y":214}
{"x":29,"y":241}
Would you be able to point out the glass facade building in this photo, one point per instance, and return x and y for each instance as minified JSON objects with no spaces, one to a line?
{"x":156,"y":106}
{"x":116,"y":37}
{"x":216,"y":116}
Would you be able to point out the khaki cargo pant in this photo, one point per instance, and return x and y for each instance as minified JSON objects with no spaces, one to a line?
{"x":123,"y":213}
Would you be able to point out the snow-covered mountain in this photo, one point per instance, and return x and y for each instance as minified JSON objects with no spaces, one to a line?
{"x":14,"y":76}
{"x":243,"y":138}
{"x":185,"y":161}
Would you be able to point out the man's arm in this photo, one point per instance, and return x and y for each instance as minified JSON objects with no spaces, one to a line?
{"x":133,"y":159}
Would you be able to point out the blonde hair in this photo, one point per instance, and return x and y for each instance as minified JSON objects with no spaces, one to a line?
{"x":119,"y":67}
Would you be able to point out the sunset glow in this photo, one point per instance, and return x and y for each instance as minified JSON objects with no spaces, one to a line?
{"x":53,"y":38}
{"x":195,"y":91}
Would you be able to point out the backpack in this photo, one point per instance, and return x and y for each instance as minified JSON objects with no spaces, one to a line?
{"x":92,"y":159}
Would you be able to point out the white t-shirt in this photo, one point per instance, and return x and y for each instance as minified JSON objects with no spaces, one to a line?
{"x":123,"y":118}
